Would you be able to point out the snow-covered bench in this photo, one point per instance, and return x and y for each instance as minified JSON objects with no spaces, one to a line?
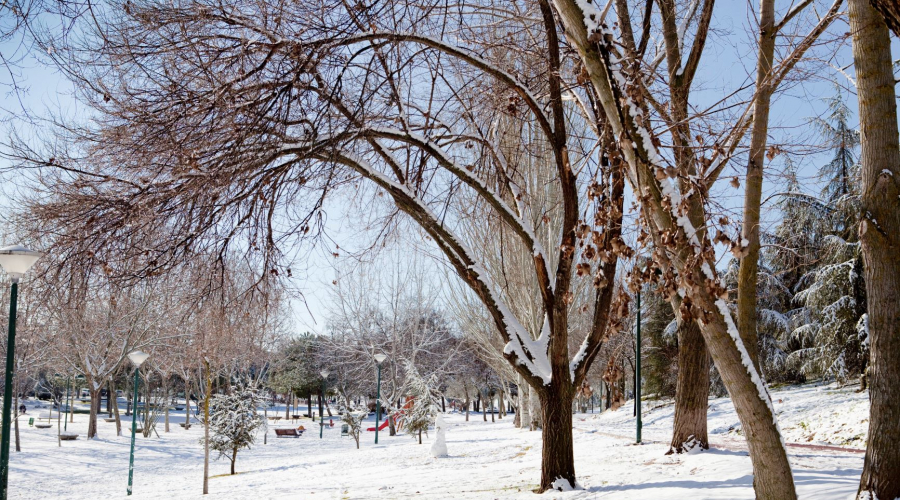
{"x":289,"y":432}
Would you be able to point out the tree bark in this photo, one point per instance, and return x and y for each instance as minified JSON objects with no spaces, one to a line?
{"x":692,"y":390}
{"x":557,"y":454}
{"x":115,"y":408}
{"x":187,"y":405}
{"x":878,"y":233}
{"x":890,"y":12}
{"x":95,"y":409}
{"x":233,"y":460}
{"x":749,"y":269}
{"x":206,"y":398}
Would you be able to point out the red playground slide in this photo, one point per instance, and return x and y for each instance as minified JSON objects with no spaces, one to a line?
{"x":408,"y":405}
{"x":381,"y":428}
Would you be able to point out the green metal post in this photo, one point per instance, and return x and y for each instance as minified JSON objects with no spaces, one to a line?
{"x":7,"y":390}
{"x":378,"y":404}
{"x":68,"y":406}
{"x":134,"y":416}
{"x":637,"y":375}
{"x":321,"y":400}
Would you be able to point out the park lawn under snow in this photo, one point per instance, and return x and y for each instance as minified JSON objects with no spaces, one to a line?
{"x":487,"y":460}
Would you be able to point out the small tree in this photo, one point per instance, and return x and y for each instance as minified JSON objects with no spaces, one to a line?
{"x":423,"y":410}
{"x":233,"y":421}
{"x":354,"y":422}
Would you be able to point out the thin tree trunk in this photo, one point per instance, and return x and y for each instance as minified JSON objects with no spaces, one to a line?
{"x":466,"y":393}
{"x":532,"y":404}
{"x":187,"y":405}
{"x":115,"y":408}
{"x":525,"y":404}
{"x":206,"y":398}
{"x":109,"y":397}
{"x":879,"y":231}
{"x":692,"y":390}
{"x":749,"y":269}
{"x":233,"y":460}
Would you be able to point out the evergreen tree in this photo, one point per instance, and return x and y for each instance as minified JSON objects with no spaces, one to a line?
{"x":233,"y":420}
{"x":817,"y":277}
{"x":424,"y":409}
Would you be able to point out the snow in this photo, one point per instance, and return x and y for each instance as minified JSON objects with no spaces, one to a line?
{"x":488,"y":460}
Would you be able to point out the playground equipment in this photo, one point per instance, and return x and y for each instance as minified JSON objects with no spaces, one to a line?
{"x":396,"y":416}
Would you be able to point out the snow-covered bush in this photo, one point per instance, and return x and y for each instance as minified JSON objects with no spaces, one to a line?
{"x":233,"y":421}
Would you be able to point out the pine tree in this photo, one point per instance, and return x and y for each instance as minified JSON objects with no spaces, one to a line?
{"x":233,"y":420}
{"x":424,"y":410}
{"x":816,"y":260}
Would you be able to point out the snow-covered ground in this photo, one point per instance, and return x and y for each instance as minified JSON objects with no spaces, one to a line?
{"x":486,"y":460}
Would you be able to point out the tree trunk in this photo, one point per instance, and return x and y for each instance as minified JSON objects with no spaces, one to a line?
{"x":692,"y":390}
{"x":95,"y":409}
{"x":187,"y":405}
{"x":557,"y":454}
{"x":233,"y":459}
{"x":115,"y":408}
{"x":206,"y":429}
{"x":109,"y":398}
{"x":749,"y":269}
{"x":890,"y":11}
{"x":878,"y":232}
{"x":466,"y":392}
{"x":524,"y":404}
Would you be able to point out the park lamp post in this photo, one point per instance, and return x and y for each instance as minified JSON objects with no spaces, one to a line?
{"x":379,"y":359}
{"x":16,"y":260}
{"x":137,"y":358}
{"x":324,"y":374}
{"x":637,"y":375}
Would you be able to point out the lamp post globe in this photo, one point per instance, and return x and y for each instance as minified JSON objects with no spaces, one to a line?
{"x":16,"y":260}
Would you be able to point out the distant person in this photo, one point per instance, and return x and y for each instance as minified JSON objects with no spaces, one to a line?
{"x":22,"y":409}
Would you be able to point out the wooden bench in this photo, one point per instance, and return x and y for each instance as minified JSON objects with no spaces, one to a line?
{"x":288,"y":433}
{"x":43,"y":426}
